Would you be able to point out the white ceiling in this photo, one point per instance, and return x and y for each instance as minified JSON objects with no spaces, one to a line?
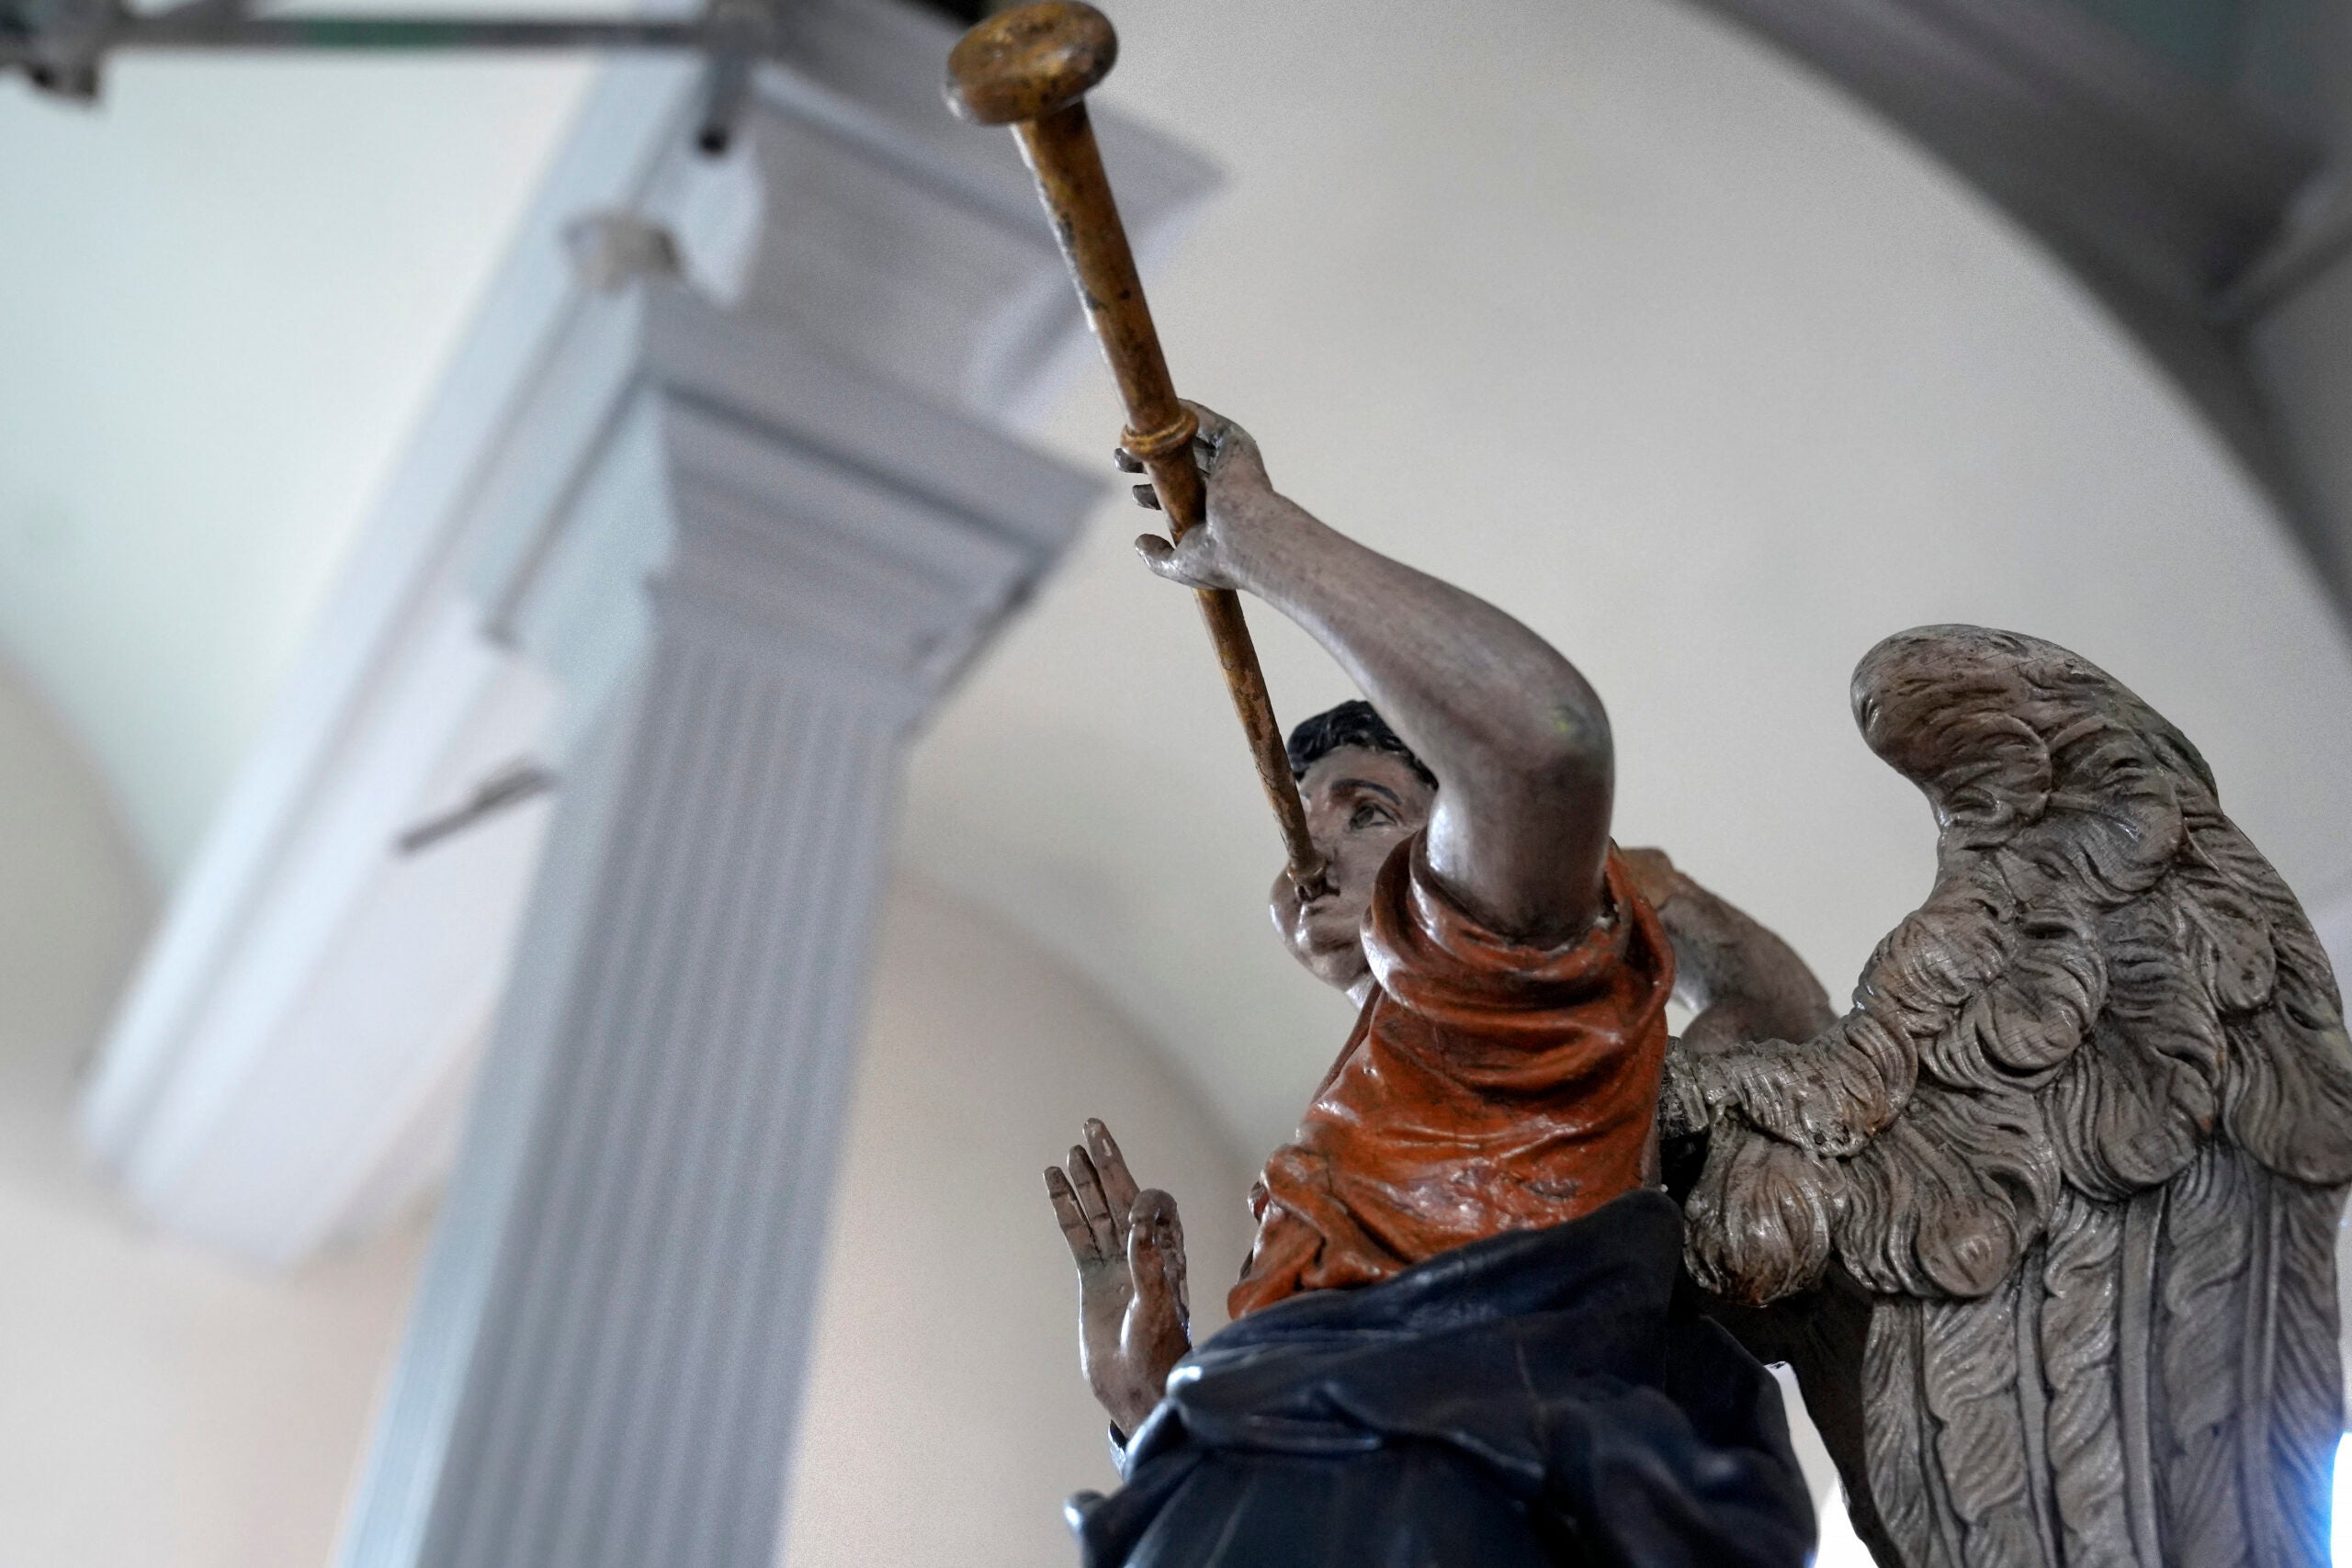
{"x":1600,"y":310}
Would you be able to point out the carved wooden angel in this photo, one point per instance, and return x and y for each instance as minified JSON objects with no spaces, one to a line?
{"x":2045,"y":1222}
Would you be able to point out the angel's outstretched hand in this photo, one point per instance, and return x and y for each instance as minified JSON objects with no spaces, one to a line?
{"x":1134,"y":1319}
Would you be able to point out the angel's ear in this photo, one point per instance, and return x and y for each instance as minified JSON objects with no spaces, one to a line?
{"x":1993,"y":778}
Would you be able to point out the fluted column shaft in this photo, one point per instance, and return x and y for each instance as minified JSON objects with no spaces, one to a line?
{"x":635,"y":1373}
{"x":753,"y":570}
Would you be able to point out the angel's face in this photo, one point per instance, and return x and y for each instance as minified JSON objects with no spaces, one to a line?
{"x":1361,"y":804}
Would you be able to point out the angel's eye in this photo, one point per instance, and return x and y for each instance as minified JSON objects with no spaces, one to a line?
{"x":1368,"y":816}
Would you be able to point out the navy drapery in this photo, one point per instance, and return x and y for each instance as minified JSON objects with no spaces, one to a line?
{"x":1542,"y":1399}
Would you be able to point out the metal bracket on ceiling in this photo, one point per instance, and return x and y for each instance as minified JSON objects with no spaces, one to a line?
{"x":62,"y":46}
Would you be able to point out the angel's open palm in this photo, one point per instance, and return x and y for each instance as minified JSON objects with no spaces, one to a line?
{"x":1135,"y":1322}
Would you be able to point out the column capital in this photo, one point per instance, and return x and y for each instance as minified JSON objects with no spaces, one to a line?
{"x":767,"y":493}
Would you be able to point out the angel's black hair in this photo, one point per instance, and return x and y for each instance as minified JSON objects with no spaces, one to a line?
{"x":1351,"y":723}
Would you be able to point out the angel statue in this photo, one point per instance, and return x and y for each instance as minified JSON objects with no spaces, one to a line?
{"x":2045,"y":1223}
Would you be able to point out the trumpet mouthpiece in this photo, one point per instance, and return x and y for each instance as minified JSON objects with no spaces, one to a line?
{"x":1024,"y":63}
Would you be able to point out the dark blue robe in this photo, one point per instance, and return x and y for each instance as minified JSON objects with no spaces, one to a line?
{"x":1543,"y":1399}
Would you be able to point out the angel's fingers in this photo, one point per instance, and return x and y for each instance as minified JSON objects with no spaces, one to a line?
{"x":1118,"y":1186}
{"x":1211,"y":426}
{"x":1154,"y":1219}
{"x":1075,"y":1230}
{"x":1147,"y":1263}
{"x":1192,"y":564}
{"x":1161,"y":557}
{"x":1224,"y":441}
{"x":1088,"y":1183}
{"x":1171,"y":1244}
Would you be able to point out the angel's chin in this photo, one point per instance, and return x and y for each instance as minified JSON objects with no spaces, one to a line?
{"x":1322,"y":943}
{"x":1335,"y":962}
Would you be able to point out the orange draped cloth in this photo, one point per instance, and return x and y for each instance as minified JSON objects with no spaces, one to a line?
{"x":1488,"y":1087}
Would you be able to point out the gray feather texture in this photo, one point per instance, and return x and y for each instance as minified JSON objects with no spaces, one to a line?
{"x":1903,"y":1469}
{"x":2083,"y":1427}
{"x":2085,"y":1135}
{"x":1969,"y":1353}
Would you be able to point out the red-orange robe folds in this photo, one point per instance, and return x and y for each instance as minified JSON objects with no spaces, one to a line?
{"x":1488,"y":1087}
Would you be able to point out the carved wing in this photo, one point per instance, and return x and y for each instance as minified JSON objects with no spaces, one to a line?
{"x":2079,"y":1148}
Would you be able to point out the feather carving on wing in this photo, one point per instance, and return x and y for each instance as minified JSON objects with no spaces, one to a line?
{"x":2081,"y":1144}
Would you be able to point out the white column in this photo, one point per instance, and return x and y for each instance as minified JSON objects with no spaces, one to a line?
{"x":753,"y":570}
{"x":640,"y":1336}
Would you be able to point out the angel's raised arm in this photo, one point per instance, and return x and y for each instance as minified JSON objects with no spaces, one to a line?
{"x":1517,"y":738}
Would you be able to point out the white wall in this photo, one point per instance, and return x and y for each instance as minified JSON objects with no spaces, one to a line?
{"x":157,"y":1409}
